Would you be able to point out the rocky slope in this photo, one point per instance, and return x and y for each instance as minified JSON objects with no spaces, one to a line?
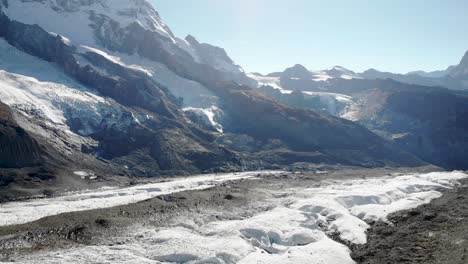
{"x":17,"y":147}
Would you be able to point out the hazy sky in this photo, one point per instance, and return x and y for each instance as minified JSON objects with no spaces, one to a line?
{"x":269,"y":35}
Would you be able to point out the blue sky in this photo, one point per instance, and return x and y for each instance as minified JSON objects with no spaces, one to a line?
{"x":270,"y":35}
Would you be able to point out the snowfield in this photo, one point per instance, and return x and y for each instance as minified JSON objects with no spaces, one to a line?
{"x":295,"y":229}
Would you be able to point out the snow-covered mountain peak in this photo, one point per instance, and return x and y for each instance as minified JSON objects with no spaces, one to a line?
{"x":339,"y":68}
{"x":341,"y":72}
{"x":298,"y":71}
{"x":79,"y":20}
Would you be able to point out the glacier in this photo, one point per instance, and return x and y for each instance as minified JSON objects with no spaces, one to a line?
{"x":296,"y":227}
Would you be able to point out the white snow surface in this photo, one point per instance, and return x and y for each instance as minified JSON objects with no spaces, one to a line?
{"x":294,"y":229}
{"x":31,"y":210}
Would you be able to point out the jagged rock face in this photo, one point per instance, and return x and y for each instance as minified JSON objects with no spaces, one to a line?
{"x":17,"y":148}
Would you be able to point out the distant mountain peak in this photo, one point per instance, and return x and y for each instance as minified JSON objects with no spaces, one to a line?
{"x":191,"y":40}
{"x":341,"y":72}
{"x":299,"y":66}
{"x":337,"y":67}
{"x":461,"y":70}
{"x":297,"y":71}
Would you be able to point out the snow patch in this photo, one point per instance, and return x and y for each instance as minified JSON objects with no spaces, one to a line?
{"x":210,"y":116}
{"x":86,"y":174}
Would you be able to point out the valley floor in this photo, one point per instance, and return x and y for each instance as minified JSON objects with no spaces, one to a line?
{"x":274,"y":217}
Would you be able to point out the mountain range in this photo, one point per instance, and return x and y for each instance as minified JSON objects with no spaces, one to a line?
{"x":427,"y":120}
{"x":104,"y":88}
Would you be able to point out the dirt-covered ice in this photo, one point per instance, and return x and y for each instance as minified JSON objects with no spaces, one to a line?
{"x":14,"y":213}
{"x":297,"y":226}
